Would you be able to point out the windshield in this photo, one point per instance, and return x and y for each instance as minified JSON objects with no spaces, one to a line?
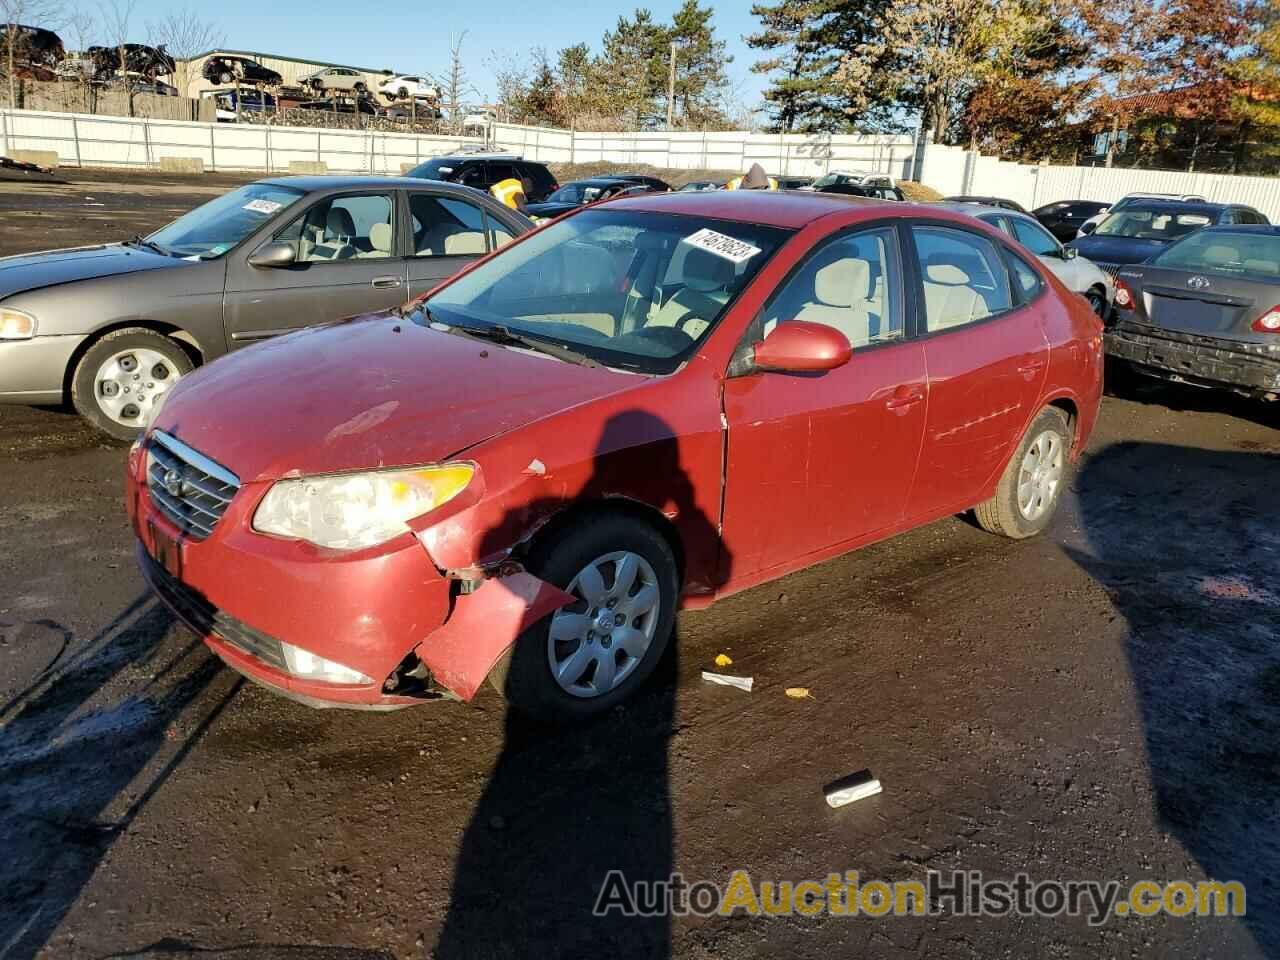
{"x":576,"y":193}
{"x":211,"y":230}
{"x":437,"y":169}
{"x":1234,"y":254}
{"x":1151,"y":223}
{"x":628,"y":289}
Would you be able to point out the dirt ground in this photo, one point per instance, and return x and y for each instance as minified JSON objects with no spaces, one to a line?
{"x":1100,"y":703}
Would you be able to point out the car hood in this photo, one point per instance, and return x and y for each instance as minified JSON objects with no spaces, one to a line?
{"x":30,"y":271}
{"x":549,"y":209}
{"x":372,"y":392}
{"x":1117,"y":249}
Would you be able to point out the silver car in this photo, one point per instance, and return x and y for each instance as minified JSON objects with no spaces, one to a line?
{"x":1076,"y":272}
{"x":111,"y":327}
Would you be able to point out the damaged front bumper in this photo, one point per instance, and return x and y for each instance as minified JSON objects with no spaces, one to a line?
{"x":1196,"y":359}
{"x":388,"y":614}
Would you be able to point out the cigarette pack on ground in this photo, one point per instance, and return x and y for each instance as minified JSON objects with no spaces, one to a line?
{"x":856,"y":786}
{"x":742,"y":683}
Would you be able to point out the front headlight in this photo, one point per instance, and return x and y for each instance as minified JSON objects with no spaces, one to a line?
{"x":16,"y":325}
{"x":312,"y":666}
{"x":353,"y":510}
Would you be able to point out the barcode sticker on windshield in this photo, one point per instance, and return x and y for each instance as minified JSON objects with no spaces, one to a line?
{"x":739,"y":251}
{"x":263,"y":206}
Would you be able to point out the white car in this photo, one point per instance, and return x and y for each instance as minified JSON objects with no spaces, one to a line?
{"x":1076,"y":272}
{"x":854,"y":177}
{"x":1091,"y":224}
{"x":335,"y":78}
{"x":404,"y":87}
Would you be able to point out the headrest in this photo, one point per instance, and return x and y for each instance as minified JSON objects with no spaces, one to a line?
{"x":338,"y":223}
{"x":946,"y":273}
{"x":380,"y":237}
{"x":464,"y":242}
{"x":1220,"y":253}
{"x":1262,"y":266}
{"x":705,"y":271}
{"x":839,"y":284}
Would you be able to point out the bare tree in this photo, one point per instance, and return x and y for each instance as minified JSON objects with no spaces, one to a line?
{"x":20,"y":13}
{"x":82,"y":29}
{"x":454,"y":84}
{"x":184,"y":35}
{"x":117,"y":17}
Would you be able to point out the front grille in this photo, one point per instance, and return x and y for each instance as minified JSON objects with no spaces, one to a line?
{"x":194,"y":607}
{"x":188,"y":488}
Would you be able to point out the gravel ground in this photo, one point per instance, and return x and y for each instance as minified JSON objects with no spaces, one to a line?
{"x":1099,"y":703}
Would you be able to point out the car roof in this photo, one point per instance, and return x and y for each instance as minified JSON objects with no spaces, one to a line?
{"x":597,"y":180}
{"x":330,"y":182}
{"x":779,"y":208}
{"x":1181,"y":206}
{"x":1242,"y":228}
{"x":976,"y":209}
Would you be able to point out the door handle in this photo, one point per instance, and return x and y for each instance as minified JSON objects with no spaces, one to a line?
{"x":904,"y":398}
{"x":387,"y":281}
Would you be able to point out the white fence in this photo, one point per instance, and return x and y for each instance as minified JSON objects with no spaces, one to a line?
{"x":92,"y":140}
{"x":954,"y":170}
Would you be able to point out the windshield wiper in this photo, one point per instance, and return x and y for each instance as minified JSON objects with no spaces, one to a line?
{"x":138,"y":240}
{"x":504,"y":335}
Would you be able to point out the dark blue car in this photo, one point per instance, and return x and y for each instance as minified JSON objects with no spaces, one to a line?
{"x":1142,"y":229}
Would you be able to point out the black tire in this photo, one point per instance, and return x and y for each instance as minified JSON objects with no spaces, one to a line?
{"x":1002,"y":513}
{"x":403,"y":93}
{"x":1097,"y":298}
{"x":523,"y":675}
{"x":83,"y":392}
{"x":224,"y":77}
{"x":360,"y":88}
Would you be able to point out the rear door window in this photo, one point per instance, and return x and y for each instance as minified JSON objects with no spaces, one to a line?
{"x":446,"y":227}
{"x":963,"y":275}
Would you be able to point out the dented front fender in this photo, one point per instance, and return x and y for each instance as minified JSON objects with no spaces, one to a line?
{"x":483,"y":626}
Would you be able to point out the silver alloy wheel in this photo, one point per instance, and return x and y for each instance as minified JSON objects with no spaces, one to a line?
{"x":595,"y":644}
{"x":127,"y":384}
{"x":1039,"y":475}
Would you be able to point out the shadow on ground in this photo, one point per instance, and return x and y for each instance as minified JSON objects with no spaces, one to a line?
{"x":69,"y":753}
{"x":1186,"y":542}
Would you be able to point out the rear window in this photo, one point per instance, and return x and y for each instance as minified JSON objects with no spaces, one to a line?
{"x":1255,"y":255}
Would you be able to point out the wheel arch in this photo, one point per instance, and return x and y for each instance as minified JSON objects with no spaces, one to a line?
{"x":617,"y":505}
{"x":183,"y":337}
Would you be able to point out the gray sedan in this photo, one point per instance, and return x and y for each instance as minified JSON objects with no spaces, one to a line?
{"x":111,"y":327}
{"x":1204,"y":311}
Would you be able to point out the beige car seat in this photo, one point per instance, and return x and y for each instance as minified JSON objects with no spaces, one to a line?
{"x":950,"y":298}
{"x":706,"y":279}
{"x":840,"y":300}
{"x":381,"y":242}
{"x":338,"y":240}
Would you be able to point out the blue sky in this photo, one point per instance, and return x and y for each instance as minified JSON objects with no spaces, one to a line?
{"x":414,"y":36}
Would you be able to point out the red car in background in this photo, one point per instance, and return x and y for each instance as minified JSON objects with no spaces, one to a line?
{"x":652,"y":403}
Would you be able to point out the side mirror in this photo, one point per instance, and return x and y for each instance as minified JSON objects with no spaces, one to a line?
{"x":802,"y":347}
{"x":1087,"y":228}
{"x":1070,"y":253}
{"x":273,"y":254}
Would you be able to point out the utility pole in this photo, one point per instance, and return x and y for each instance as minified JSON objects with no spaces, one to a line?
{"x":671,"y":85}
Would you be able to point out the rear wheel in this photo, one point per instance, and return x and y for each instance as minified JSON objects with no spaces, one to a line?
{"x":120,"y":378}
{"x":224,"y":77}
{"x":1031,"y":486}
{"x":594,"y":653}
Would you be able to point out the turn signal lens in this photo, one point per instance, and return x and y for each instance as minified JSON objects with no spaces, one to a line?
{"x":16,"y":325}
{"x":1124,"y":296}
{"x":1269,"y":322}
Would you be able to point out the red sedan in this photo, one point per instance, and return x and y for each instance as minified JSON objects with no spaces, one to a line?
{"x":648,"y":404}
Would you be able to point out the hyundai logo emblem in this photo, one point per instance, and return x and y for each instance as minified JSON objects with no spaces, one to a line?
{"x":173,"y":483}
{"x":1198,"y":283}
